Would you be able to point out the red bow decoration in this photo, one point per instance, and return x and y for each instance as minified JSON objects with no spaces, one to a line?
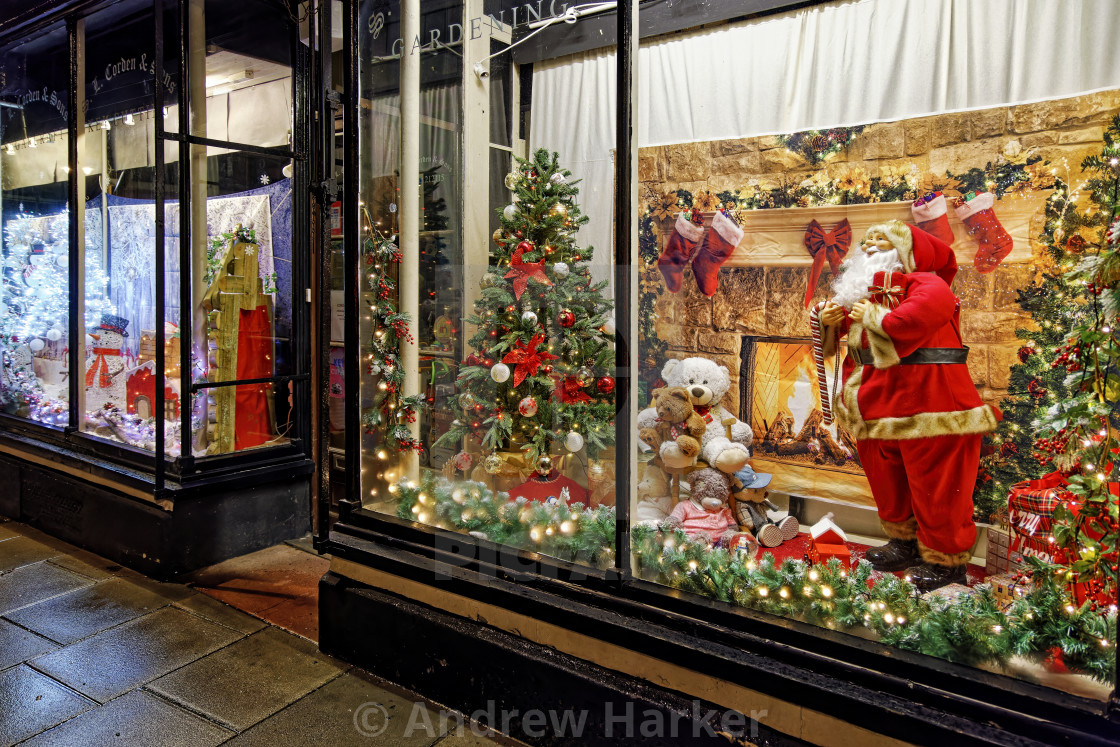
{"x":105,"y":380}
{"x":831,"y":245}
{"x":570,"y":392}
{"x":527,"y":358}
{"x":704,"y":411}
{"x":523,"y":272}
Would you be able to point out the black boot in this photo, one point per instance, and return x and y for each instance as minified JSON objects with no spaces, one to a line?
{"x":896,"y":555}
{"x":928,"y":576}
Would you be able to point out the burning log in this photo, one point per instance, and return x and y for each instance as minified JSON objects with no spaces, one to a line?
{"x":848,"y":441}
{"x":791,"y":448}
{"x":811,"y":427}
{"x":831,"y":448}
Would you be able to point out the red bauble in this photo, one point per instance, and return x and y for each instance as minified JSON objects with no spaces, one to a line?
{"x":525,"y":247}
{"x":605,"y":385}
{"x":566,"y":319}
{"x":1025,"y":352}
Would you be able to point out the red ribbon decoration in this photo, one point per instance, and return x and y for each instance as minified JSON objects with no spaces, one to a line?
{"x":831,"y":245}
{"x":91,"y":374}
{"x":522,"y":272}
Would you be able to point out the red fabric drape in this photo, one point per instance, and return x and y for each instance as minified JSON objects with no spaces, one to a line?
{"x":254,"y":361}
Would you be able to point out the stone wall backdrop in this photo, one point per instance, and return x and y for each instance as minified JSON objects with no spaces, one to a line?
{"x":767,"y":298}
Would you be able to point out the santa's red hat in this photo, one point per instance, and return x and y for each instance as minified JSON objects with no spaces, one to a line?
{"x":919,"y":251}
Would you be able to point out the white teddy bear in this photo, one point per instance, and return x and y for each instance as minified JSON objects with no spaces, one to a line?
{"x":707,"y":383}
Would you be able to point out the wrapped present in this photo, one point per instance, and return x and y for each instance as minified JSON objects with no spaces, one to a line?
{"x":1000,"y":558}
{"x":949,"y":594}
{"x":1031,"y":507}
{"x":1007,"y":587}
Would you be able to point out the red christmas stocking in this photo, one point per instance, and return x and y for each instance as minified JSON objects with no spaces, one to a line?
{"x":678,"y":251}
{"x":721,"y":240}
{"x":930,"y":215}
{"x":980,"y":218}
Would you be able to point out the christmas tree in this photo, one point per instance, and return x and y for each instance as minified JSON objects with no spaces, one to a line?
{"x":1060,"y":414}
{"x":1056,"y":303}
{"x":541,"y":374}
{"x":34,"y":308}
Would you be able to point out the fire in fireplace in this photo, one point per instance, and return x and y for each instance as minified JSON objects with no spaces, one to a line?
{"x":780,"y":397}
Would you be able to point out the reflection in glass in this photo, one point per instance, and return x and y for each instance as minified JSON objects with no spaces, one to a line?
{"x":35,"y":249}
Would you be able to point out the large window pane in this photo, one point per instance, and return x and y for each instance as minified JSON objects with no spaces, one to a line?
{"x":514,"y":389}
{"x":36,"y":251}
{"x":842,"y":483}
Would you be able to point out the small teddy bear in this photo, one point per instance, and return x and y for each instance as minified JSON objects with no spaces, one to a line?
{"x":677,"y":423}
{"x":706,"y":513}
{"x":749,"y":503}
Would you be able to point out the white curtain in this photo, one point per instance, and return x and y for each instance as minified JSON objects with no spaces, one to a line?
{"x":844,"y":63}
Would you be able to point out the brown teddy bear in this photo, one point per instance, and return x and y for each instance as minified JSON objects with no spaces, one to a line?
{"x":749,"y":504}
{"x":677,"y":422}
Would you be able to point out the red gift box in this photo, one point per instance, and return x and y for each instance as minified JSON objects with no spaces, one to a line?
{"x":820,"y":552}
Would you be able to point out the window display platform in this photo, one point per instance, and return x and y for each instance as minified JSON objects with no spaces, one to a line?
{"x":439,"y":618}
{"x":115,"y":512}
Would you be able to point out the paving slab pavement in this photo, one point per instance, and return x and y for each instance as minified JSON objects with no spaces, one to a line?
{"x":92,"y":653}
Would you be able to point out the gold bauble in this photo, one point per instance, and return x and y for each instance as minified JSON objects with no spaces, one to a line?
{"x":498,"y":236}
{"x":544,"y":465}
{"x":512,"y":180}
{"x":558,"y":211}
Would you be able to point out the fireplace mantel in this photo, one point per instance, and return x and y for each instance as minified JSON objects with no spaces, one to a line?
{"x":775,"y":237}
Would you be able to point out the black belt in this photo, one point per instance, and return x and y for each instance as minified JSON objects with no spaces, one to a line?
{"x":922,"y":356}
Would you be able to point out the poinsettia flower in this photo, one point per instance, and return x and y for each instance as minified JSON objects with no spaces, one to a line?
{"x":665,"y":206}
{"x":854,"y":180}
{"x":705,"y":201}
{"x":527,"y":358}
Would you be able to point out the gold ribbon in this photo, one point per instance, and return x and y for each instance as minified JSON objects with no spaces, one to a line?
{"x":892,"y":294}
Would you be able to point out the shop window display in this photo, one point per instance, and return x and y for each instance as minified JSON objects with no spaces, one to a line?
{"x":34,"y":310}
{"x":875,"y":336}
{"x":515,"y":403}
{"x":240,"y":236}
{"x":949,"y":251}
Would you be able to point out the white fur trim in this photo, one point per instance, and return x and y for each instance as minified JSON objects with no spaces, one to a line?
{"x":982,"y":201}
{"x":726,"y":228}
{"x":688,"y":229}
{"x":935,"y":208}
{"x":878,"y":342}
{"x":920,"y":425}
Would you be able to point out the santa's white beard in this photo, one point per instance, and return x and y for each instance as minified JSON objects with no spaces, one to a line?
{"x":857,"y":273}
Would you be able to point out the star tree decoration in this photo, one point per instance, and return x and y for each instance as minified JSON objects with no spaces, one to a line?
{"x":540,"y":319}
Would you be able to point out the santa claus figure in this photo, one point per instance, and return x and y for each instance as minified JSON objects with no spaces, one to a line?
{"x":908,"y":399}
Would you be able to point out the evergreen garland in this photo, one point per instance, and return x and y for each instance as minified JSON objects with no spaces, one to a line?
{"x":390,"y":413}
{"x":970,"y":629}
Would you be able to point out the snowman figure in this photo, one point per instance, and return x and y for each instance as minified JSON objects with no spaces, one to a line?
{"x":105,"y":382}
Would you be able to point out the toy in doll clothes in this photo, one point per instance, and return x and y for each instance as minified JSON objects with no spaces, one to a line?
{"x":910,"y":404}
{"x":706,"y":513}
{"x":749,"y":504}
{"x":547,"y":483}
{"x":104,"y":383}
{"x":726,"y":438}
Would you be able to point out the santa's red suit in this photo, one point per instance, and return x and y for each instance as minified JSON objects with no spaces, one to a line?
{"x":910,"y":403}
